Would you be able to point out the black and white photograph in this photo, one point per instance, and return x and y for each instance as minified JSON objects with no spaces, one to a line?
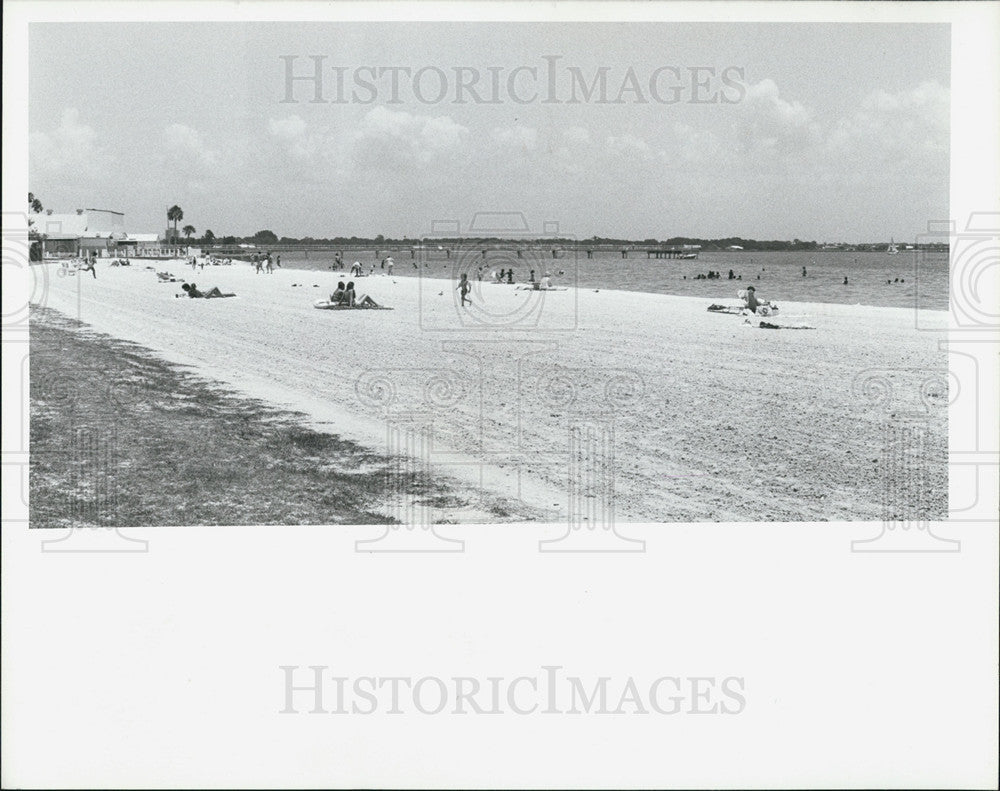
{"x":344,"y":341}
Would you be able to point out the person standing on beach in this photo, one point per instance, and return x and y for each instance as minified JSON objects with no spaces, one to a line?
{"x":466,"y":287}
{"x":90,"y":268}
{"x":277,"y":260}
{"x":510,"y":277}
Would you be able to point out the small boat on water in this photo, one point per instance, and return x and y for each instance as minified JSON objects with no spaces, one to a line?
{"x":893,"y":249}
{"x":688,"y":256}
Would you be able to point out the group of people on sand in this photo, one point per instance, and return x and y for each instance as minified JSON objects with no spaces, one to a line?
{"x":199,"y":262}
{"x":267,"y":263}
{"x":345,"y":296}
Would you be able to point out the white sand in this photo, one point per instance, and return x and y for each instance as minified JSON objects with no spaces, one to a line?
{"x":712,"y":418}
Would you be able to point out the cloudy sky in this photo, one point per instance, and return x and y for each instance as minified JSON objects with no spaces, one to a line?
{"x":816,"y":131}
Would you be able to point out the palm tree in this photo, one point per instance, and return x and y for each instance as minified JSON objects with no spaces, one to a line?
{"x":175,"y":214}
{"x":189,"y":231}
{"x":34,"y":203}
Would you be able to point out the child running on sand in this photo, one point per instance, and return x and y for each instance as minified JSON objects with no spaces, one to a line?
{"x":466,"y":287}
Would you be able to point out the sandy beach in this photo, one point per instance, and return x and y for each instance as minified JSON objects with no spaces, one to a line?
{"x":701,"y":417}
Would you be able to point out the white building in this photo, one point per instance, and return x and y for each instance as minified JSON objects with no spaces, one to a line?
{"x":85,"y":232}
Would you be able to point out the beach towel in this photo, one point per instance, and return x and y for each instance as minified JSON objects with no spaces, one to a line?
{"x":734,"y":309}
{"x":771,"y":325}
{"x":325,"y":304}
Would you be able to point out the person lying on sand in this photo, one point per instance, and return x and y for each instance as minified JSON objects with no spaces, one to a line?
{"x":213,"y":293}
{"x":363,"y":301}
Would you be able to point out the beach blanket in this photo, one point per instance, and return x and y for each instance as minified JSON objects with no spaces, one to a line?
{"x":763,"y":309}
{"x":774,"y":325}
{"x":734,"y":309}
{"x":325,"y":304}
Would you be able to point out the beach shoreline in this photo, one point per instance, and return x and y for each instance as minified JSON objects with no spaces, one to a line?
{"x":707,"y":418}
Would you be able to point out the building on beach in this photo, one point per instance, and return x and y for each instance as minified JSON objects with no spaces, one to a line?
{"x":89,"y":232}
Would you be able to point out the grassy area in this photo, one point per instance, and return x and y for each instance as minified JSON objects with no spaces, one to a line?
{"x":121,"y":438}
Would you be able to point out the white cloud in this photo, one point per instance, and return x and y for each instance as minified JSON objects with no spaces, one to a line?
{"x":576,"y":135}
{"x":292,"y":135}
{"x":628,"y":146}
{"x":522,"y":137}
{"x":185,"y":149}
{"x":696,"y":146}
{"x":908,"y":128}
{"x":70,"y":151}
{"x":395,"y":139}
{"x":772,"y":125}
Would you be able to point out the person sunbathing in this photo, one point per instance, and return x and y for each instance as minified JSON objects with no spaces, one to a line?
{"x":754,"y":304}
{"x":213,"y":293}
{"x":340,"y":295}
{"x":363,"y":301}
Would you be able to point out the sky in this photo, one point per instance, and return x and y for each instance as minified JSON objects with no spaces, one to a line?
{"x":826,"y":132}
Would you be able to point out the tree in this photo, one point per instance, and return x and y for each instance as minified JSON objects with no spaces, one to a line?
{"x":34,"y":203}
{"x":189,"y":231}
{"x":175,"y":214}
{"x":209,"y":236}
{"x":266,"y":237}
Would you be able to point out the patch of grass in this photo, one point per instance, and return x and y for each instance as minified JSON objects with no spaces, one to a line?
{"x":122,"y":438}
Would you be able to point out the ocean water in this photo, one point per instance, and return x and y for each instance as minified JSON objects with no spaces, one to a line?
{"x":871,"y":277}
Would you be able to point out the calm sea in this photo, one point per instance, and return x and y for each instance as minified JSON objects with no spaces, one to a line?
{"x":871,"y":277}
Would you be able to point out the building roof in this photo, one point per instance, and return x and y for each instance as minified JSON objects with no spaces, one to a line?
{"x":62,"y":224}
{"x":75,"y":224}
